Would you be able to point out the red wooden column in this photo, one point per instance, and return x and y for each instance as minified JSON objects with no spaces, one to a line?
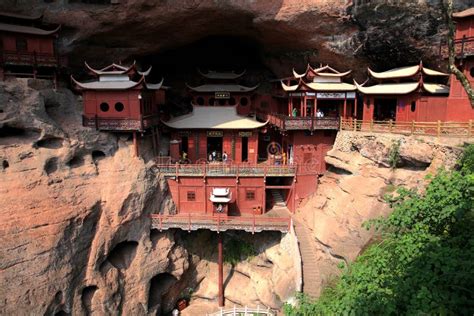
{"x":221,"y":269}
{"x":345,"y":105}
{"x":305,"y":109}
{"x":301,"y":106}
{"x":355,"y":107}
{"x":135,"y":144}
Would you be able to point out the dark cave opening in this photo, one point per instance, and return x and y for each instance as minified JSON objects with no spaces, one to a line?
{"x":159,"y":286}
{"x":50,"y":143}
{"x":87,"y":296}
{"x":123,"y":254}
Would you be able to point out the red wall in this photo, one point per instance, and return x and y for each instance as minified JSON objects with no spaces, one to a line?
{"x":129,"y":98}
{"x":459,"y":107}
{"x":312,"y":148}
{"x":428,"y":108}
{"x":464,"y":27}
{"x":42,"y":45}
{"x":201,"y":138}
{"x":239,"y":204}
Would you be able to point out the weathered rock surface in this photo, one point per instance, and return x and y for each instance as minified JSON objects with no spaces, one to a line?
{"x":352,"y":191}
{"x":75,"y":234}
{"x":266,"y":278}
{"x":347,"y":34}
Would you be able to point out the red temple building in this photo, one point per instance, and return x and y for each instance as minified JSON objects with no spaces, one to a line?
{"x":116,"y":102}
{"x":28,"y":47}
{"x":413,"y":93}
{"x":305,"y":121}
{"x":458,"y":105}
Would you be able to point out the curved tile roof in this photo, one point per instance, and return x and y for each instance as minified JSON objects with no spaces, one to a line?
{"x":214,"y":117}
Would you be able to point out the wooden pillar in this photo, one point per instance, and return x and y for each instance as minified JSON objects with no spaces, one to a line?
{"x":153,"y":141}
{"x":301,"y":106}
{"x":305,"y":109}
{"x":220,"y":264}
{"x":289,"y":106}
{"x":315,"y":104}
{"x":135,"y":144}
{"x":355,"y":107}
{"x":345,"y":105}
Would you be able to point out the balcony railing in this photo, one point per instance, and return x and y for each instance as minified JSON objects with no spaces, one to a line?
{"x":284,"y":122}
{"x":228,"y":170}
{"x":448,"y":129}
{"x":27,"y":58}
{"x":120,"y":124}
{"x":217,"y":222}
{"x":463,"y":47}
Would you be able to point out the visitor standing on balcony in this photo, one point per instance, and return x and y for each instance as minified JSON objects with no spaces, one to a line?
{"x":295,"y":112}
{"x":214,"y":155}
{"x":224,"y":157}
{"x":283,"y":156}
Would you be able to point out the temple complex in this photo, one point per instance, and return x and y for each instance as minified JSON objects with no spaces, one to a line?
{"x":244,"y":158}
{"x":28,"y":47}
{"x":116,"y":102}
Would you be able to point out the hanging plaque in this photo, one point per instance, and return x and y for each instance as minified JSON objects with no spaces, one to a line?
{"x":215,"y":133}
{"x":245,"y":134}
{"x":222,"y":95}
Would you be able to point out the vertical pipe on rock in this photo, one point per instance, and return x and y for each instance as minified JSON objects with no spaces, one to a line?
{"x":221,"y":269}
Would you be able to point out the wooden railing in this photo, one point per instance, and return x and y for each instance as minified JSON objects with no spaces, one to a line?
{"x":284,"y":122}
{"x":439,"y":128}
{"x":217,"y":222}
{"x":222,"y":169}
{"x":463,"y":47}
{"x":244,"y":311}
{"x":27,"y":58}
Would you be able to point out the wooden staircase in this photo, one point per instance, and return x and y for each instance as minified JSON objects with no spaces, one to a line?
{"x":278,"y":201}
{"x":308,"y":258}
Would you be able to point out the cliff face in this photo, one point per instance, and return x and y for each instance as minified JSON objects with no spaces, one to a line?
{"x":352,"y":191}
{"x":73,"y":203}
{"x":346,"y":34}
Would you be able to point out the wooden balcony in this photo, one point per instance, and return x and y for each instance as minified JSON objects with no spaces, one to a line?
{"x":220,"y":223}
{"x":30,"y":59}
{"x":227,"y":170}
{"x":288,"y":123}
{"x":120,"y":124}
{"x":463,"y":47}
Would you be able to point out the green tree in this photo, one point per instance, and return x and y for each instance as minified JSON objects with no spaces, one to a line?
{"x":424,"y":264}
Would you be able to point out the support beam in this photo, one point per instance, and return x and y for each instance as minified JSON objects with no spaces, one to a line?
{"x":153,"y":141}
{"x":355,"y":107}
{"x":135,"y":144}
{"x":220,"y":265}
{"x":345,"y":106}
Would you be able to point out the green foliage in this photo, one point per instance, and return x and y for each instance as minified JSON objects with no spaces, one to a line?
{"x":237,"y":250}
{"x":394,"y":154}
{"x":424,"y":264}
{"x":467,"y":160}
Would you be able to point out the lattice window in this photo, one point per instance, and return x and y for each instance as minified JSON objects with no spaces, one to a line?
{"x":191,"y":196}
{"x":250,"y":195}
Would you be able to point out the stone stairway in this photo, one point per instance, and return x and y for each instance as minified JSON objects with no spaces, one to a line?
{"x":308,"y":258}
{"x":277,"y":198}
